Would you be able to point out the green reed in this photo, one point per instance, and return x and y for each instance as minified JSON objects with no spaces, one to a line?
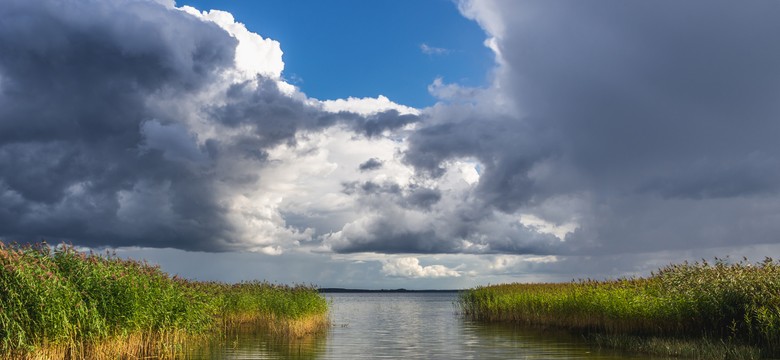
{"x":59,"y":297}
{"x":735,"y":303}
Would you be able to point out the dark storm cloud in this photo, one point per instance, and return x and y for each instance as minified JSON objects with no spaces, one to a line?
{"x":393,"y":241}
{"x":99,"y":107}
{"x":370,"y":164}
{"x":642,"y":94}
{"x":661,"y":116}
{"x":631,"y":93}
{"x":75,"y":82}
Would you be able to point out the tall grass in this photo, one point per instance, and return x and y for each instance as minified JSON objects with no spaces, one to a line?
{"x":58,"y":302}
{"x":729,"y":303}
{"x":290,"y":311}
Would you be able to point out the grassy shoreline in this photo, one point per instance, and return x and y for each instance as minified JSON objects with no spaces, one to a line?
{"x":680,"y":310}
{"x":61,"y":303}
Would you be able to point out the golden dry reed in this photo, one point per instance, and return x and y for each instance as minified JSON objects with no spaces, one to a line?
{"x":59,"y":303}
{"x":727,"y":303}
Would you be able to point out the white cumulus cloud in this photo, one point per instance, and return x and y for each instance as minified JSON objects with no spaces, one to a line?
{"x":366,"y":106}
{"x":410,"y":267}
{"x":254,"y":54}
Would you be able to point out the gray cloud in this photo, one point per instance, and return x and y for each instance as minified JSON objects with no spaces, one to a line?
{"x":638,"y":93}
{"x":370,"y":164}
{"x":423,"y":198}
{"x":375,"y":125}
{"x":370,"y":188}
{"x":412,"y":196}
{"x":392,"y":240}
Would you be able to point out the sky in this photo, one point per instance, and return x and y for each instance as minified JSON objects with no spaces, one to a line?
{"x":435,"y":144}
{"x":390,"y":48}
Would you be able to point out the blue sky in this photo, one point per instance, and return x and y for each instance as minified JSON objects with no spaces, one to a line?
{"x":337,"y":49}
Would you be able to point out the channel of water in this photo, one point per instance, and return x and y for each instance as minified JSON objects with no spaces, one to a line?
{"x":407,"y":326}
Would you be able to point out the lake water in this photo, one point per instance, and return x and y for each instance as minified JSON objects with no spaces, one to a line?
{"x":408,"y":326}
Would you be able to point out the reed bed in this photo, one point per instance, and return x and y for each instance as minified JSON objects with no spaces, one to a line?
{"x":727,"y":303}
{"x":61,"y":303}
{"x":283,"y":310}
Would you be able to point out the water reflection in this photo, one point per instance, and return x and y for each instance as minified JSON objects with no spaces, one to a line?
{"x":405,"y":326}
{"x":496,"y":340}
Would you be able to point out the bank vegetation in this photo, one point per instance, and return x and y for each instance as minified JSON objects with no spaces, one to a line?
{"x":700,"y":310}
{"x":60,"y":303}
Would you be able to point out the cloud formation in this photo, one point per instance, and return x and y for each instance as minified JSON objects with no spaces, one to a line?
{"x":606,"y":128}
{"x":646,"y":126}
{"x":410,"y":267}
{"x":132,"y":122}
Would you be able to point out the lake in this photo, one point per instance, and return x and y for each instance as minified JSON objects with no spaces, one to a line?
{"x":407,"y":326}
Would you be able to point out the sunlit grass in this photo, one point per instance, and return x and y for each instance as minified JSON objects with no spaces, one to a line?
{"x":59,"y":302}
{"x":726,"y":303}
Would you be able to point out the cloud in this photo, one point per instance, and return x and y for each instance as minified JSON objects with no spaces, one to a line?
{"x":134,"y":123}
{"x":642,"y":138}
{"x":430,"y":50}
{"x":560,"y":231}
{"x":172,"y":141}
{"x":254,"y":54}
{"x":370,"y":164}
{"x":366,"y":106}
{"x":410,"y":267}
{"x":452,"y":92}
{"x":131,"y":122}
{"x":448,"y":219}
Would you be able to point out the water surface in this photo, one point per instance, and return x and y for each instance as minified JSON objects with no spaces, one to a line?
{"x":408,"y":326}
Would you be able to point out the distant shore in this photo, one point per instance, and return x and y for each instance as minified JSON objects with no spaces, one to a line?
{"x":345,"y":290}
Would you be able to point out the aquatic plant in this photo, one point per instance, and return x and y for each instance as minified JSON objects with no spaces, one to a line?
{"x":736,"y":303}
{"x":57,"y":302}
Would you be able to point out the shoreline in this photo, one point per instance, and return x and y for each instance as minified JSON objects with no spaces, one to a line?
{"x":383,"y":291}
